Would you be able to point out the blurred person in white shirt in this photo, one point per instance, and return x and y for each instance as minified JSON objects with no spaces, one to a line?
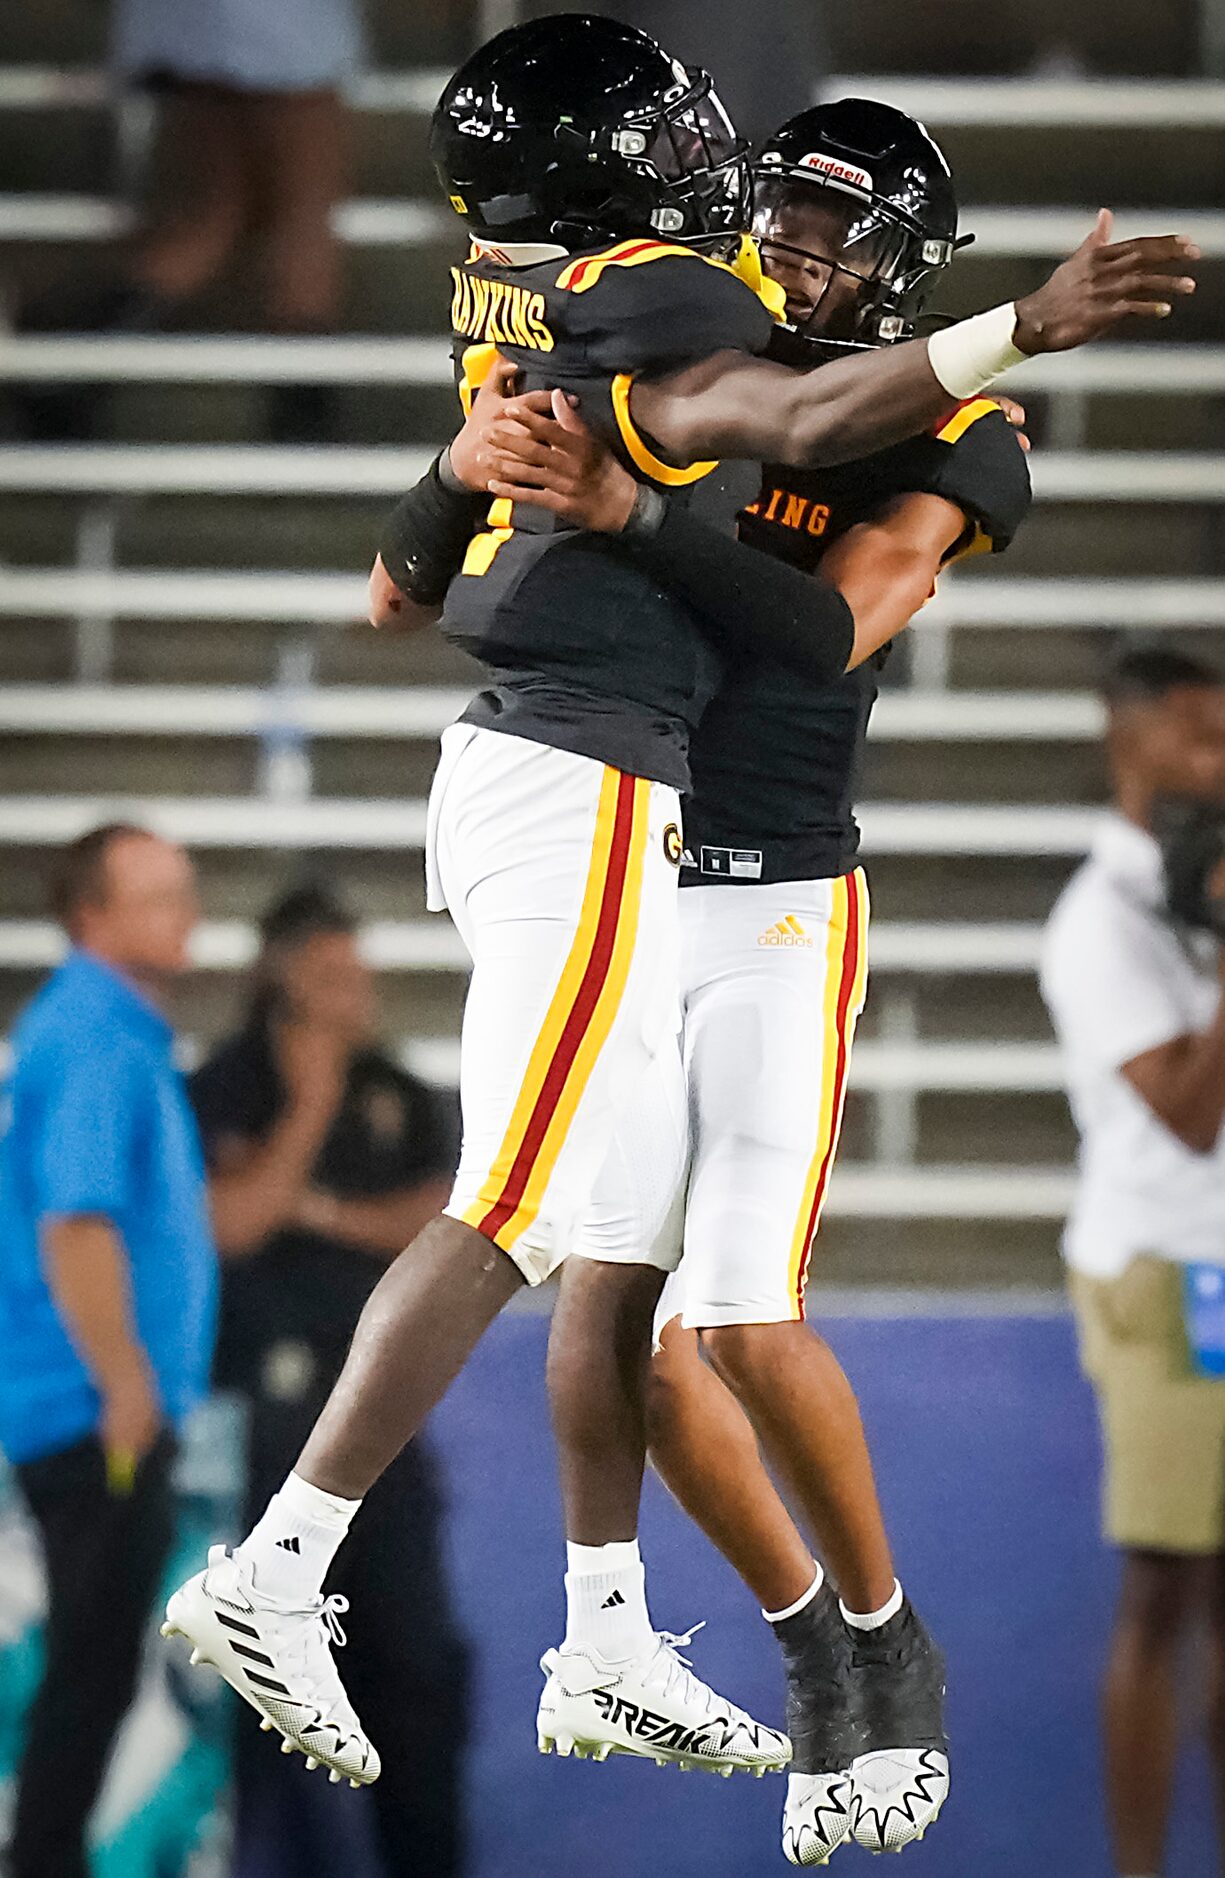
{"x":1133,"y":974}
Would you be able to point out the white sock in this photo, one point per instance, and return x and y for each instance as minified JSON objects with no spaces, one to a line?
{"x":793,"y":1610}
{"x":294,"y":1543}
{"x":606,"y":1605}
{"x":875,"y":1620}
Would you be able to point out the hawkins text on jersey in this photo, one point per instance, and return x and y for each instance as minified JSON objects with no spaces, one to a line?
{"x":584,"y":650}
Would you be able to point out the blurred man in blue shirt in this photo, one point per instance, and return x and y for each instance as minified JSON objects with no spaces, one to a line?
{"x":107,"y":1306}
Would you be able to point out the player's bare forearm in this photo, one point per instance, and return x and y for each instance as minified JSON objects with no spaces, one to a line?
{"x":391,"y":609}
{"x":886,"y":568}
{"x":734,"y":406}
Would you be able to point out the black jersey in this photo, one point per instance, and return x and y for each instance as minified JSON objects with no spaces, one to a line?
{"x":776,"y":762}
{"x":585,"y":651}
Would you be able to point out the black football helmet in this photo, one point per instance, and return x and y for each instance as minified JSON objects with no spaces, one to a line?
{"x":578,"y":130}
{"x":888,"y":213}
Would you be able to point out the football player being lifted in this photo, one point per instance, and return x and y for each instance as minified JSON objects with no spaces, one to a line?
{"x":728,"y":1152}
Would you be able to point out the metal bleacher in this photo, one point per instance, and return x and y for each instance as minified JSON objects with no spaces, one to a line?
{"x":178,"y":608}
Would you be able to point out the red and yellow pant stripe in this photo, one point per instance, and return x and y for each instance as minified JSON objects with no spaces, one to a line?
{"x":579,"y":1018}
{"x":846,"y":971}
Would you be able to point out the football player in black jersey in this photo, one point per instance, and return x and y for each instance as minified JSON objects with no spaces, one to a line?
{"x":856,"y":217}
{"x":554,"y":828}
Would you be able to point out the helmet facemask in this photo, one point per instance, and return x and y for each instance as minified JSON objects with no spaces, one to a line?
{"x":694,"y":170}
{"x":855,"y":270}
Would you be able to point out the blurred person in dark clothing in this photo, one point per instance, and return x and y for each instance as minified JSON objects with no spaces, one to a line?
{"x":107,"y":1307}
{"x":253,"y":121}
{"x":325,"y":1159}
{"x":252,"y":146}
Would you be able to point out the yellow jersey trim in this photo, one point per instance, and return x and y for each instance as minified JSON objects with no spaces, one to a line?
{"x":642,"y":455}
{"x":961,"y":419}
{"x":482,"y":548}
{"x":475,"y":367}
{"x":579,"y":275}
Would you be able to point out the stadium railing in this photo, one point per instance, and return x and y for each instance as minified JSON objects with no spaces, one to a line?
{"x":386,"y":470}
{"x":938,"y":948}
{"x":1137,"y":370}
{"x":388,"y":824}
{"x":421,"y":711}
{"x":990,"y":102}
{"x":1056,"y":103}
{"x":336,"y":598}
{"x":400,"y":221}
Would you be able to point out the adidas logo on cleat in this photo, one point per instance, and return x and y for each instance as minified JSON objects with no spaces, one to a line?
{"x":292,"y":1544}
{"x":785,"y":932}
{"x":612,"y":1601}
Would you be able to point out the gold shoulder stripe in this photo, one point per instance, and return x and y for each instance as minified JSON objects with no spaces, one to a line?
{"x":482,"y":548}
{"x":579,"y":275}
{"x":583,"y":273}
{"x":640,"y":452}
{"x":476,"y":365}
{"x":964,"y":416}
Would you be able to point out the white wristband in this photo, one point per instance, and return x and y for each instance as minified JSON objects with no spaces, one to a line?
{"x":969,"y":356}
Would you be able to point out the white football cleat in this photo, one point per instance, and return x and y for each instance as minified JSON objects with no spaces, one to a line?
{"x":279,"y":1659}
{"x":816,"y":1817}
{"x":898,"y":1795}
{"x":653,"y":1707}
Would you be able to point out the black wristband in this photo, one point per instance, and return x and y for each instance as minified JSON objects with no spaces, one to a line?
{"x":647,"y":516}
{"x":447,"y":477}
{"x":426,"y":537}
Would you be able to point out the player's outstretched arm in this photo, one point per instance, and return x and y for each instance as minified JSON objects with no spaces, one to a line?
{"x":733,"y":406}
{"x":886,"y":568}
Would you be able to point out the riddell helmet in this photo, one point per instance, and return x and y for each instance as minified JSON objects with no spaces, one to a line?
{"x":579,"y":130}
{"x":890,"y":192}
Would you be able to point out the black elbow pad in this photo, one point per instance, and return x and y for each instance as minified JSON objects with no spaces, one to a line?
{"x":426,"y":537}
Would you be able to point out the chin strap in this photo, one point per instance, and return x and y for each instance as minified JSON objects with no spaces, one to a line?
{"x":747,"y":267}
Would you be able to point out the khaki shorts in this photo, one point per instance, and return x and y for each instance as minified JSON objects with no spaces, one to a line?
{"x":1163,"y":1425}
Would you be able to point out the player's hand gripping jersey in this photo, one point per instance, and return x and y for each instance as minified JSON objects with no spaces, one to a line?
{"x":586,"y":650}
{"x":775,"y":764}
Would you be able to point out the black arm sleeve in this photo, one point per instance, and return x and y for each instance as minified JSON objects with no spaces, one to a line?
{"x":747,"y":599}
{"x":426,"y":537}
